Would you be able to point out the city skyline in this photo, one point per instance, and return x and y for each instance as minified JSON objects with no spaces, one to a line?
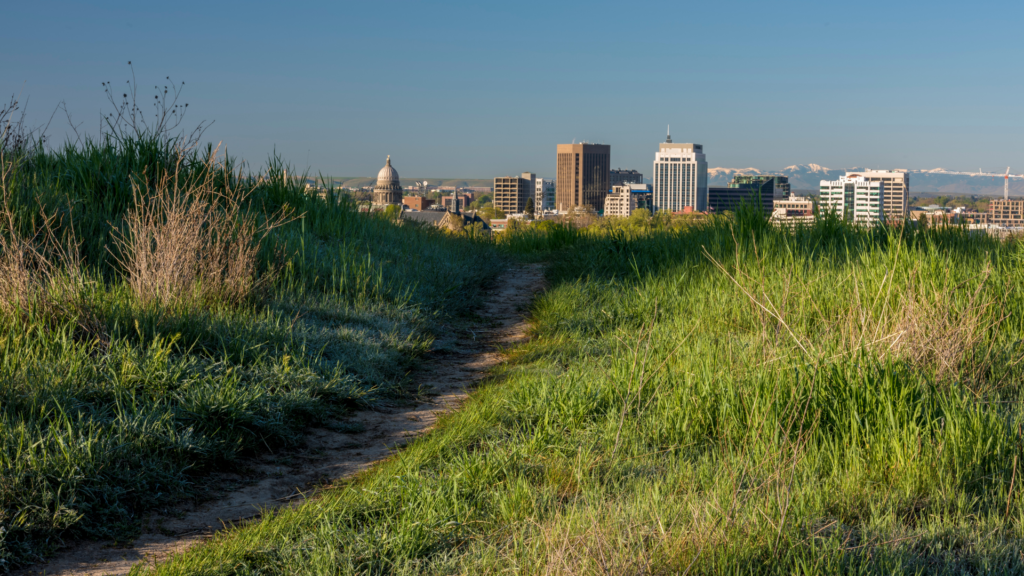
{"x":881,"y":87}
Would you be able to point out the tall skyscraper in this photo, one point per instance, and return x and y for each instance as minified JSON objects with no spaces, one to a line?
{"x":680,"y":177}
{"x":582,"y":176}
{"x":897,"y":191}
{"x":854,"y":199}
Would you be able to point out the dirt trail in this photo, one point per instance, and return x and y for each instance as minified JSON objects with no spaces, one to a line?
{"x":461,"y":358}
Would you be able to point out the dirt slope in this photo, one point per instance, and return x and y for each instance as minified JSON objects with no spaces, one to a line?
{"x":461,"y":357}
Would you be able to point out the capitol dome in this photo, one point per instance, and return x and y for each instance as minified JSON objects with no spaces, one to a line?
{"x":388,"y":190}
{"x":387,"y":174}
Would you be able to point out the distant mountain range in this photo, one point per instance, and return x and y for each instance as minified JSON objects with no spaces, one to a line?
{"x":922,"y":182}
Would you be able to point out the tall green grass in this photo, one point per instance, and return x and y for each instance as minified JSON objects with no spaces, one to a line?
{"x":725,"y":398}
{"x":113,"y":407}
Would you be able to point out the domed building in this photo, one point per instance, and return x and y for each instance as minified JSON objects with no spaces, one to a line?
{"x":388,"y":191}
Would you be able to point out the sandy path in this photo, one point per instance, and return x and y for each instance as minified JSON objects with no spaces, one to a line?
{"x":288,"y":478}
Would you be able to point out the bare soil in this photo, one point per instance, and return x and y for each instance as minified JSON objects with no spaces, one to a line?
{"x":460,"y":357}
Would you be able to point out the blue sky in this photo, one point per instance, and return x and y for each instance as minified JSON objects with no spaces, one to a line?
{"x":482,"y":89}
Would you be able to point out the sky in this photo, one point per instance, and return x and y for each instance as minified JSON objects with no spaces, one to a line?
{"x":484,"y":89}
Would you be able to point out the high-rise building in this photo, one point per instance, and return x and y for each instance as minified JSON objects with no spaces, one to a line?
{"x":618,"y":177}
{"x":544,"y":195}
{"x":680,"y":177}
{"x":621,"y":202}
{"x":582,"y":177}
{"x":512,"y":192}
{"x":854,"y":199}
{"x":897,"y":191}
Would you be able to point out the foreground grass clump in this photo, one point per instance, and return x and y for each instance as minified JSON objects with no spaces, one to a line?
{"x":725,"y":398}
{"x":165,"y":313}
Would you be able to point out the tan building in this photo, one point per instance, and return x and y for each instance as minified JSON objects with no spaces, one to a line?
{"x":793,"y":210}
{"x":621,"y":202}
{"x":582,"y":176}
{"x":897,"y":191}
{"x":511,"y":193}
{"x":1006,"y":213}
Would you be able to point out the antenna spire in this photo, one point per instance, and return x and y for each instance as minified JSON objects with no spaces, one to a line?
{"x":668,"y":136}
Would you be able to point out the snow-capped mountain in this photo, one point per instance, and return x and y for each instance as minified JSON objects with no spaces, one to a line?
{"x":934,"y":181}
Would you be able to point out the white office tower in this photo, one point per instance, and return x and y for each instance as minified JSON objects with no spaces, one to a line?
{"x":855,"y":199}
{"x":544,"y":199}
{"x":680,"y":177}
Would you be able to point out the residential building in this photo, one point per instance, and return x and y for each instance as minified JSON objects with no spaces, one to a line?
{"x":621,"y":202}
{"x":854,"y":199}
{"x":1006,"y":213}
{"x":512,"y":192}
{"x":417,"y":202}
{"x":582,"y":177}
{"x":619,"y":177}
{"x":680,"y":177}
{"x":544,"y":195}
{"x":753,"y":191}
{"x":897,"y":191}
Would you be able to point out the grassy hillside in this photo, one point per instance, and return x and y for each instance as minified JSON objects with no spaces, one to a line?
{"x":163,"y":315}
{"x":724,"y":398}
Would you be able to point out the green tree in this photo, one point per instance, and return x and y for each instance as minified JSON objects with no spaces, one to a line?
{"x":530,"y":209}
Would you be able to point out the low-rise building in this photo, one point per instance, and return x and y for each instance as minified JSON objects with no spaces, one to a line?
{"x":1006,"y":213}
{"x":731,"y":197}
{"x":855,"y":200}
{"x":465,"y":199}
{"x":794,"y":206}
{"x":780,"y":184}
{"x":511,"y":193}
{"x":643,"y":195}
{"x":417,"y":202}
{"x":621,"y":202}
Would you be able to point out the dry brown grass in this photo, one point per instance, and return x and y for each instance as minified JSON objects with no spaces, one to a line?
{"x":40,"y":272}
{"x":191,"y":242}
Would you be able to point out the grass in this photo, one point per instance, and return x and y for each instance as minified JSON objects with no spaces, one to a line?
{"x":722,"y":398}
{"x":113,"y":404}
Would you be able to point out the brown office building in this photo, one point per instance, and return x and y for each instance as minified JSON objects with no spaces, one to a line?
{"x":417,"y":202}
{"x":512,"y":192}
{"x":582,"y":176}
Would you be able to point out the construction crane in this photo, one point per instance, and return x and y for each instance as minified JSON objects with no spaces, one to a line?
{"x":1006,"y":184}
